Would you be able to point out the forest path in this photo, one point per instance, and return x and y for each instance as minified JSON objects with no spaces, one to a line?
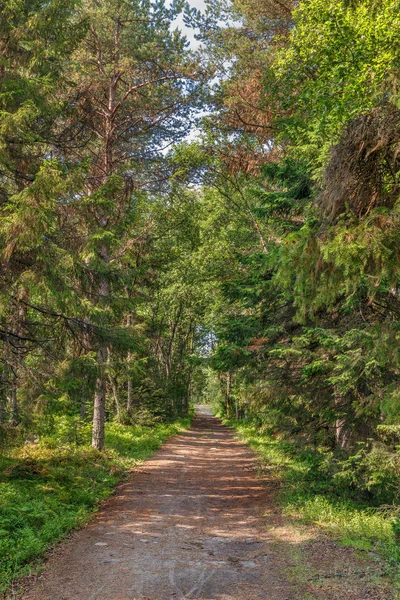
{"x":194,"y":521}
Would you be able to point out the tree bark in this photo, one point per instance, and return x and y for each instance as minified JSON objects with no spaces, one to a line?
{"x":14,"y":408}
{"x":2,"y":408}
{"x":129,"y":402}
{"x":228,"y":394}
{"x":21,"y":300}
{"x":114,"y":388}
{"x":342,"y":430}
{"x":175,"y":323}
{"x":99,"y":409}
{"x":190,"y":374}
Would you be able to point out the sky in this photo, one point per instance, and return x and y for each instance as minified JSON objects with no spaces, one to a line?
{"x":189,"y":33}
{"x":200,"y":4}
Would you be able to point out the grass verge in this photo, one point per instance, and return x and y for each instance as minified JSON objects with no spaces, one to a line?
{"x":46,"y":490}
{"x":307,"y":493}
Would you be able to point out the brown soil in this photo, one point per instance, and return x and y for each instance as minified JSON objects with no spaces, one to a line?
{"x":195,"y":521}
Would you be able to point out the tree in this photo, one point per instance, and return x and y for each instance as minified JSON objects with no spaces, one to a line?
{"x":325,"y":204}
{"x":135,"y":78}
{"x":36,"y":40}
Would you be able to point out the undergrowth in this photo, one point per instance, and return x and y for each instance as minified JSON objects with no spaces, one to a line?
{"x":50,"y":488}
{"x":309,"y":492}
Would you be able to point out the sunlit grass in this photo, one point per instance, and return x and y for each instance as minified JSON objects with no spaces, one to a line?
{"x":308,"y":494}
{"x":48,"y":489}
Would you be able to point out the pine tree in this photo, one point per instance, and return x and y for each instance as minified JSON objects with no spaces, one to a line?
{"x":135,"y":79}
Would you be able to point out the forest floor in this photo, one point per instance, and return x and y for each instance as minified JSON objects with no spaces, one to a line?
{"x":197,"y":521}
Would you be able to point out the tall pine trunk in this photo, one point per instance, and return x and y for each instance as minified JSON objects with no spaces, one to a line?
{"x":99,"y":409}
{"x":20,"y":311}
{"x":228,"y":394}
{"x":129,"y":403}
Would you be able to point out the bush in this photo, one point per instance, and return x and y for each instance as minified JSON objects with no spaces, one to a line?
{"x":373,"y":471}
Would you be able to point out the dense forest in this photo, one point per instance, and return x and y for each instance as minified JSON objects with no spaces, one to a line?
{"x":216,"y":222}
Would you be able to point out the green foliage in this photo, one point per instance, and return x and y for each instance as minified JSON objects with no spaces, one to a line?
{"x":339,"y":62}
{"x":374,"y":471}
{"x":315,"y":488}
{"x":310,"y":328}
{"x":83,"y":223}
{"x":49,"y":488}
{"x":258,"y":264}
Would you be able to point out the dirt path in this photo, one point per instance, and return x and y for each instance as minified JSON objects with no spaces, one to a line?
{"x":194,"y":522}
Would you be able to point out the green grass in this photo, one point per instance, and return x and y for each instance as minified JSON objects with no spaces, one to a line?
{"x":307,"y":494}
{"x":49,"y":489}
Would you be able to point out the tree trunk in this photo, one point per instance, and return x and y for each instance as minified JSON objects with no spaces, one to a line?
{"x":188,"y":397}
{"x":114,"y":388}
{"x":20,"y":303}
{"x":2,"y":410}
{"x":170,"y":352}
{"x":342,"y":430}
{"x":14,"y":408}
{"x":3,"y":396}
{"x":99,"y":409}
{"x":342,"y":434}
{"x":228,"y":394}
{"x":113,"y":382}
{"x":129,"y":403}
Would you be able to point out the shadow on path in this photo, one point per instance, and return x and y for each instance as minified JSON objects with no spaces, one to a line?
{"x":194,"y":521}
